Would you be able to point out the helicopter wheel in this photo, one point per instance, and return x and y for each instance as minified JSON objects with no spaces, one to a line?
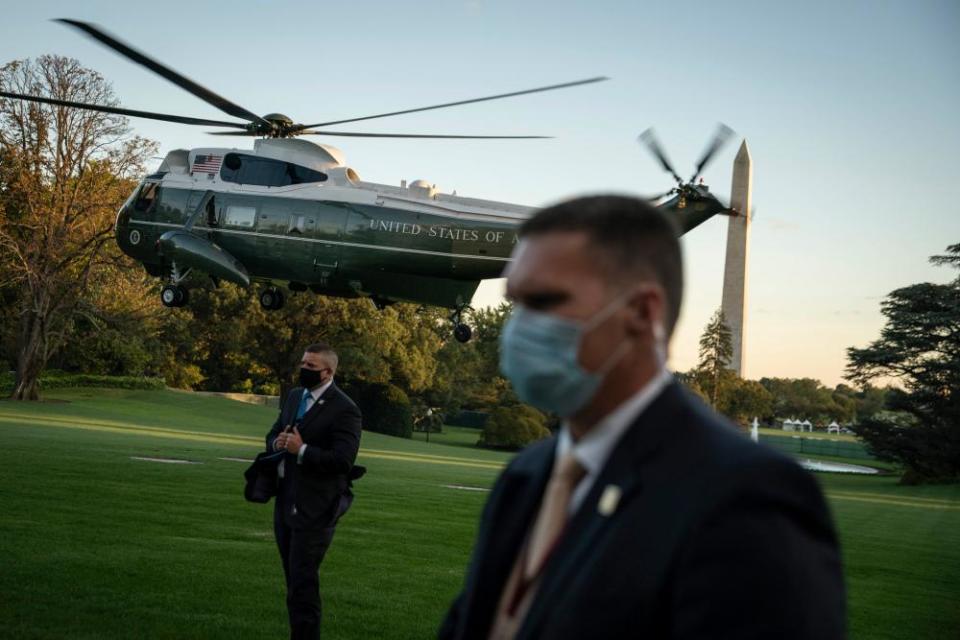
{"x":462,"y":332}
{"x":271,"y":299}
{"x":173,"y":295}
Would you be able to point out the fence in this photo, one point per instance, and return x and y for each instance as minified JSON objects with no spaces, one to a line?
{"x":817,"y":446}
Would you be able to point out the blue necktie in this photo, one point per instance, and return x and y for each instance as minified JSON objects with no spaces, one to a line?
{"x":303,"y":405}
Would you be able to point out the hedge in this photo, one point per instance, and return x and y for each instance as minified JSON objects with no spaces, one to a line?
{"x":60,"y":380}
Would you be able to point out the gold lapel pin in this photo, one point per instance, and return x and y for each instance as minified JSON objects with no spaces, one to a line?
{"x":609,"y":500}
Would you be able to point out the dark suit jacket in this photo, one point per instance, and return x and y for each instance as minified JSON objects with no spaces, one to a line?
{"x":310,"y":492}
{"x":714,"y":537}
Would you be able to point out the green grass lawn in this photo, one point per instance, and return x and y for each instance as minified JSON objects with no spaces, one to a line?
{"x":96,"y":544}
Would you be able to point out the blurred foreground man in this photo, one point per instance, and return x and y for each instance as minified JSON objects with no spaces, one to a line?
{"x":648,"y":516}
{"x":319,"y":428}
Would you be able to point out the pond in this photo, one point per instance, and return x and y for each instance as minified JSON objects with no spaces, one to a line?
{"x":835,"y":467}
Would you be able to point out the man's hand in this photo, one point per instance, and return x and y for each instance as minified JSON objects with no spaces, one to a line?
{"x":280,"y":442}
{"x":293,"y":441}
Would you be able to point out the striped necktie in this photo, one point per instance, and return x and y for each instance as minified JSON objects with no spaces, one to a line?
{"x":551,"y":520}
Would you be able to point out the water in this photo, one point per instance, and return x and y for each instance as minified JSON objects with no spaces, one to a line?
{"x":835,"y":467}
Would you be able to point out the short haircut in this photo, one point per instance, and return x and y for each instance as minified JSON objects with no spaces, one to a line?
{"x":327,"y":351}
{"x":630,"y":238}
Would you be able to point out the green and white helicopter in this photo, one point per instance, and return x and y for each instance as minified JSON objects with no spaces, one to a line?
{"x":290,"y":214}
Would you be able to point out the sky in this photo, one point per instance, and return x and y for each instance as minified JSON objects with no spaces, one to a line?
{"x":850,"y":110}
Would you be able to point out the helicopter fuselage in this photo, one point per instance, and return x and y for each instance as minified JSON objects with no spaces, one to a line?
{"x":289,"y":213}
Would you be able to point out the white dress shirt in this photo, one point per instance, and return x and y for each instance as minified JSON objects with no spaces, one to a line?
{"x":311,"y":400}
{"x":593,"y":450}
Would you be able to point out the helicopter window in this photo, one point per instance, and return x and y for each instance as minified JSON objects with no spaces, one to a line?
{"x":237,"y":216}
{"x":146,"y":197}
{"x":266,"y":172}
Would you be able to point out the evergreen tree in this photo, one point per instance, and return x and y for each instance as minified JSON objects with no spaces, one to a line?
{"x":716,"y":351}
{"x":920,"y":346}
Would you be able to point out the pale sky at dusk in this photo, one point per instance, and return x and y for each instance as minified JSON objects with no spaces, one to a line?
{"x":851,"y":111}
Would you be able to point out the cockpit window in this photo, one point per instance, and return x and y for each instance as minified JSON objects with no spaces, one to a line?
{"x":147,"y":196}
{"x":266,"y":172}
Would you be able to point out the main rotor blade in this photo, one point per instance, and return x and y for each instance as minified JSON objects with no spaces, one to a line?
{"x":719,"y":139}
{"x":459,"y":102}
{"x":181,"y":81}
{"x":123,"y":112}
{"x":650,"y":140}
{"x":661,"y":196}
{"x":417,"y":135}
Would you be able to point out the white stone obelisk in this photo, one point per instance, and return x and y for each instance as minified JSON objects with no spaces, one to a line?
{"x":734,"y":303}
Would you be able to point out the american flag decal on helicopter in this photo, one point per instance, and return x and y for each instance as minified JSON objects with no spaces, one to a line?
{"x":206,"y":164}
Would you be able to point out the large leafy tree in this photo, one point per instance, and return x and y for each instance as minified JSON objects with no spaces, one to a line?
{"x":238,"y":346}
{"x":65,"y":172}
{"x":920,"y":347}
{"x":745,"y":400}
{"x":806,"y":398}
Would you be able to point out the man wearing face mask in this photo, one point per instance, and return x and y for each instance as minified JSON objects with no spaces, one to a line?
{"x":647,"y":516}
{"x":319,"y":430}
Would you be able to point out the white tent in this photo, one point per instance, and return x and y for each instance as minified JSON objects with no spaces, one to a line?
{"x":833,"y":427}
{"x":806,"y":425}
{"x":790,"y":424}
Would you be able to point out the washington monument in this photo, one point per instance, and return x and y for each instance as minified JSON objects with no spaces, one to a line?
{"x":734,"y":303}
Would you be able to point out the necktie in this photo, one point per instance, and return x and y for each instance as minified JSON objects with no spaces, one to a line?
{"x":303,"y":405}
{"x":553,"y":514}
{"x":522,"y":582}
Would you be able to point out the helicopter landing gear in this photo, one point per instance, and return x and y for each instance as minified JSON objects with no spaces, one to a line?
{"x":173,"y":295}
{"x":271,"y":299}
{"x":462,"y":332}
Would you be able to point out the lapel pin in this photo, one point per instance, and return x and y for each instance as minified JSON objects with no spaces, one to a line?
{"x":609,"y":500}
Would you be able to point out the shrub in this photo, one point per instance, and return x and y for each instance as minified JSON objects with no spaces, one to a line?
{"x":386,"y":408}
{"x":513,"y":427}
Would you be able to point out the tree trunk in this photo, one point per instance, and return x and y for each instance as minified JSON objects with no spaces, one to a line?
{"x":31,"y":358}
{"x":716,"y":387}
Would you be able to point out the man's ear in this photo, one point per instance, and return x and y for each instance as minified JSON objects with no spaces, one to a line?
{"x":646,"y":307}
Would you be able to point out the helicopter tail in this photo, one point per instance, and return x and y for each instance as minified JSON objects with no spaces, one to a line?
{"x":691,"y":213}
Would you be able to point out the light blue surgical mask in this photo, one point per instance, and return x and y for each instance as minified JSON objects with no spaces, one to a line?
{"x":539,"y":355}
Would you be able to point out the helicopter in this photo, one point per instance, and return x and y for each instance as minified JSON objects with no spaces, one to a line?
{"x":291,"y":215}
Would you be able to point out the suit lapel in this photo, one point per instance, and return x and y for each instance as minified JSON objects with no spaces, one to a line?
{"x":622,"y":472}
{"x":506,"y":528}
{"x":318,"y":406}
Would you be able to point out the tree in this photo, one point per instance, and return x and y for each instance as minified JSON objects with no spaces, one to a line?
{"x":747,"y":399}
{"x":468,"y":375}
{"x":716,"y":351}
{"x":805,"y":398}
{"x":920,"y":346}
{"x":65,"y":172}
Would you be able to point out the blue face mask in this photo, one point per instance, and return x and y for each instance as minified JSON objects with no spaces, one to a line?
{"x":539,"y":355}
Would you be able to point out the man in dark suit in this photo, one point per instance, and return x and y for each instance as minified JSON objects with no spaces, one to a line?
{"x":319,"y":427}
{"x":647,"y":516}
